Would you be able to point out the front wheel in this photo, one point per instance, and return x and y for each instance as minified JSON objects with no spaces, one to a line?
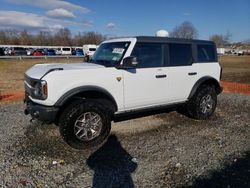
{"x":84,"y":124}
{"x":202,"y":105}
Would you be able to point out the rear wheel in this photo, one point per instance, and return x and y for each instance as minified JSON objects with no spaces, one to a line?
{"x":202,"y":105}
{"x":84,"y":124}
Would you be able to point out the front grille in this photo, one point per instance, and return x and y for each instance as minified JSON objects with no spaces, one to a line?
{"x":28,"y":88}
{"x":26,"y":97}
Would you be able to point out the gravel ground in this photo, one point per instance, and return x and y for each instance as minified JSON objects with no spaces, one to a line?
{"x":166,"y":150}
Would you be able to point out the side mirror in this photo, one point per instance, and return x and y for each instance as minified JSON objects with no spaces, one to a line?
{"x":129,"y":62}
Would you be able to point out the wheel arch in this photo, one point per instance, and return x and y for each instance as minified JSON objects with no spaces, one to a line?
{"x":93,"y":92}
{"x":208,"y":81}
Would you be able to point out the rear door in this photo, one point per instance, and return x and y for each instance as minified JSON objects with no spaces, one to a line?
{"x":182,"y":73}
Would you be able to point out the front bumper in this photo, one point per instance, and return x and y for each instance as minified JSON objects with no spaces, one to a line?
{"x":45,"y":114}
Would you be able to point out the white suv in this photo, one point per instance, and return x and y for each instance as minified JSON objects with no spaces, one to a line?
{"x":125,"y":76}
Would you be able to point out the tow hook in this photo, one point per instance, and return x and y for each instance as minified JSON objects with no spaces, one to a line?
{"x":26,"y":112}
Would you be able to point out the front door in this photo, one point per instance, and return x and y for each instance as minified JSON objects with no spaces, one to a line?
{"x":147,"y":84}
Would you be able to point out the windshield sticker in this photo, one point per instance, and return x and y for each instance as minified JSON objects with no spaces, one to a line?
{"x":114,"y":59}
{"x":118,"y":51}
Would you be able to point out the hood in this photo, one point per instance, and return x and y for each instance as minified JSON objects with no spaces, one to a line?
{"x":40,"y":70}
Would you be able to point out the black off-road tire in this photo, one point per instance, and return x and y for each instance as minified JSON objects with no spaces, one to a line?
{"x":72,"y":112}
{"x":193,"y":106}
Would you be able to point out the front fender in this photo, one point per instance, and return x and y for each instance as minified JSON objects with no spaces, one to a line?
{"x":73,"y":92}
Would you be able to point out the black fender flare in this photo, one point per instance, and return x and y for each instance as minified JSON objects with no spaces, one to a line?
{"x":71,"y":93}
{"x":205,"y":80}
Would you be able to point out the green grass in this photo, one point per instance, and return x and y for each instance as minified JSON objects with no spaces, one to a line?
{"x":235,"y":68}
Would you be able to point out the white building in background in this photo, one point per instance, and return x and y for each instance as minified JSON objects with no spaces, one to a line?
{"x":222,"y":51}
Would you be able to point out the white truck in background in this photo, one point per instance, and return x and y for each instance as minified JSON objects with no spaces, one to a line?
{"x":89,"y":49}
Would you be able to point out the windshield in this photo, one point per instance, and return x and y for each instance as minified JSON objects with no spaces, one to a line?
{"x":110,"y":54}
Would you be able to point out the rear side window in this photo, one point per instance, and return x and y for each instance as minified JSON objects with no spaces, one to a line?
{"x":148,"y":55}
{"x":180,"y":54}
{"x":206,"y":53}
{"x":66,"y":49}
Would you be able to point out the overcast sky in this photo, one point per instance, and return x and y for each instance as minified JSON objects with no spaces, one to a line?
{"x":128,"y":18}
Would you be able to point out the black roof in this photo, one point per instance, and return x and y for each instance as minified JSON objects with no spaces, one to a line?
{"x":171,"y":40}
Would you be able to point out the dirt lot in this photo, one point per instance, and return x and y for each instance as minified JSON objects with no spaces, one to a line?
{"x":166,"y":150}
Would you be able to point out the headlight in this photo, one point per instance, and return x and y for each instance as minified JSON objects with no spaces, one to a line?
{"x":40,"y":90}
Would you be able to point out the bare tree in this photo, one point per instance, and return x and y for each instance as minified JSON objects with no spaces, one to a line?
{"x":44,"y":38}
{"x":221,"y":40}
{"x":88,"y":38}
{"x":246,"y":42}
{"x":185,"y":30}
{"x":13,"y":36}
{"x":93,"y":38}
{"x":3,"y":38}
{"x":25,"y":38}
{"x":78,"y":39}
{"x":63,"y":37}
{"x":227,"y":37}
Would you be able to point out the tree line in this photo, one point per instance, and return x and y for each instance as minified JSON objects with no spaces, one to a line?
{"x":62,"y":37}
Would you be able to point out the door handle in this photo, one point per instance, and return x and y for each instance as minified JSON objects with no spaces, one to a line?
{"x":161,"y":76}
{"x":192,"y":73}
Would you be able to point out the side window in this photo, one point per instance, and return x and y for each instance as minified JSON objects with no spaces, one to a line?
{"x":148,"y":55}
{"x":180,"y":54}
{"x":206,"y":53}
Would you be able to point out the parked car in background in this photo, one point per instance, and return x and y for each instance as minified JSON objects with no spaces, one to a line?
{"x":50,"y":52}
{"x":29,"y":51}
{"x":18,"y":51}
{"x":2,"y":52}
{"x":246,"y":52}
{"x":64,"y":51}
{"x":38,"y":52}
{"x":6,"y":51}
{"x":79,"y":52}
{"x":240,"y":52}
{"x":58,"y":51}
{"x":73,"y":51}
